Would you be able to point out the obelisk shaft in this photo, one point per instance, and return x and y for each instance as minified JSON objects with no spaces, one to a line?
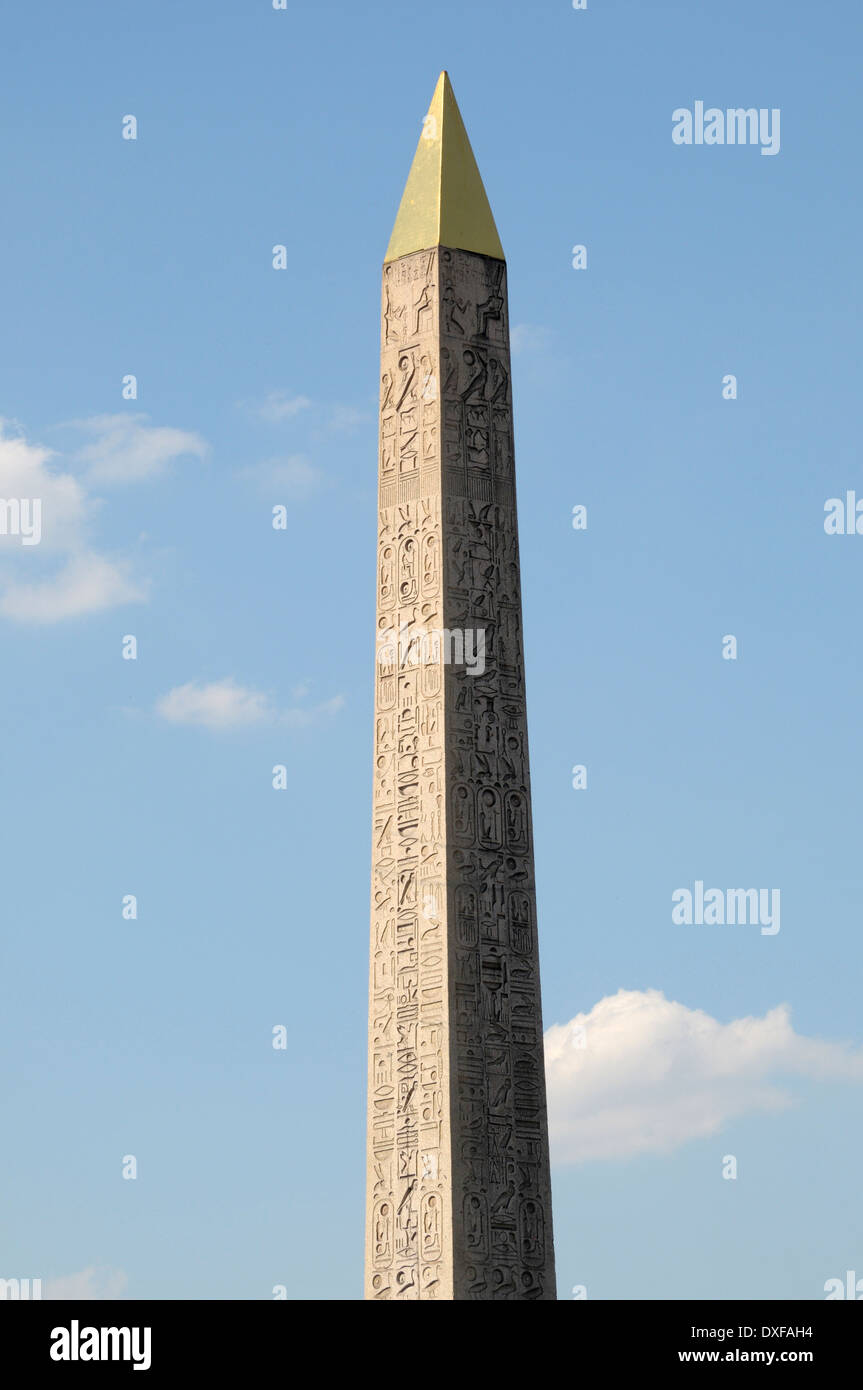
{"x":459,"y":1201}
{"x":409,"y":1221}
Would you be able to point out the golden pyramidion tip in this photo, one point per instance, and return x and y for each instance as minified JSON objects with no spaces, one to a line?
{"x":444,"y":202}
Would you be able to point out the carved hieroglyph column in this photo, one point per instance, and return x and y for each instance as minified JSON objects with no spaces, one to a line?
{"x":458,"y":1197}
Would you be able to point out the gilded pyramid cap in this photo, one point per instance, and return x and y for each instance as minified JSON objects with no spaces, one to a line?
{"x":444,"y":202}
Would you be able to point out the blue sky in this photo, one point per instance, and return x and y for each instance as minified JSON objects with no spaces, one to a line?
{"x":258,"y":387}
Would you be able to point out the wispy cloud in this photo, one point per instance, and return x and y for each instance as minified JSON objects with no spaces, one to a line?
{"x":643,"y":1074}
{"x":344,"y":419}
{"x":529,"y":337}
{"x":89,"y":1284}
{"x":225,"y":704}
{"x":126,"y":449}
{"x":301,"y":718}
{"x":290,"y":479}
{"x":327,"y":418}
{"x":87,"y":583}
{"x":278,"y":406}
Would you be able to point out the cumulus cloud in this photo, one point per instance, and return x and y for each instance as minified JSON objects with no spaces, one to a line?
{"x":291,"y":479}
{"x":643,"y":1074}
{"x":89,"y":1284}
{"x":62,"y":576}
{"x":225,"y":704}
{"x":29,"y":471}
{"x":126,"y":449}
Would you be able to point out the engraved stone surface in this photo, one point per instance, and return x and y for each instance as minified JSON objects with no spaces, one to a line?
{"x":459,"y":1197}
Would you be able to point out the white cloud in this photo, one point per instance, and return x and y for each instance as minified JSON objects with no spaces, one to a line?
{"x":27,"y":470}
{"x":87,"y":583}
{"x":125,"y":449}
{"x":289,"y":479}
{"x":220,"y":705}
{"x":278,"y":406}
{"x":344,"y":419}
{"x":225,"y":705}
{"x":528,"y":337}
{"x":300,"y":718}
{"x":654,"y":1074}
{"x":336,"y":418}
{"x":62,"y":576}
{"x":89,"y":1284}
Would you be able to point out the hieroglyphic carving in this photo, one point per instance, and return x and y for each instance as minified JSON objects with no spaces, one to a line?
{"x":409,"y":1232}
{"x":459,"y":1189}
{"x":499,"y":1127}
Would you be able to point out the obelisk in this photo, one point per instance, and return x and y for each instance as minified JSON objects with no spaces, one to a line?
{"x":458,"y":1189}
